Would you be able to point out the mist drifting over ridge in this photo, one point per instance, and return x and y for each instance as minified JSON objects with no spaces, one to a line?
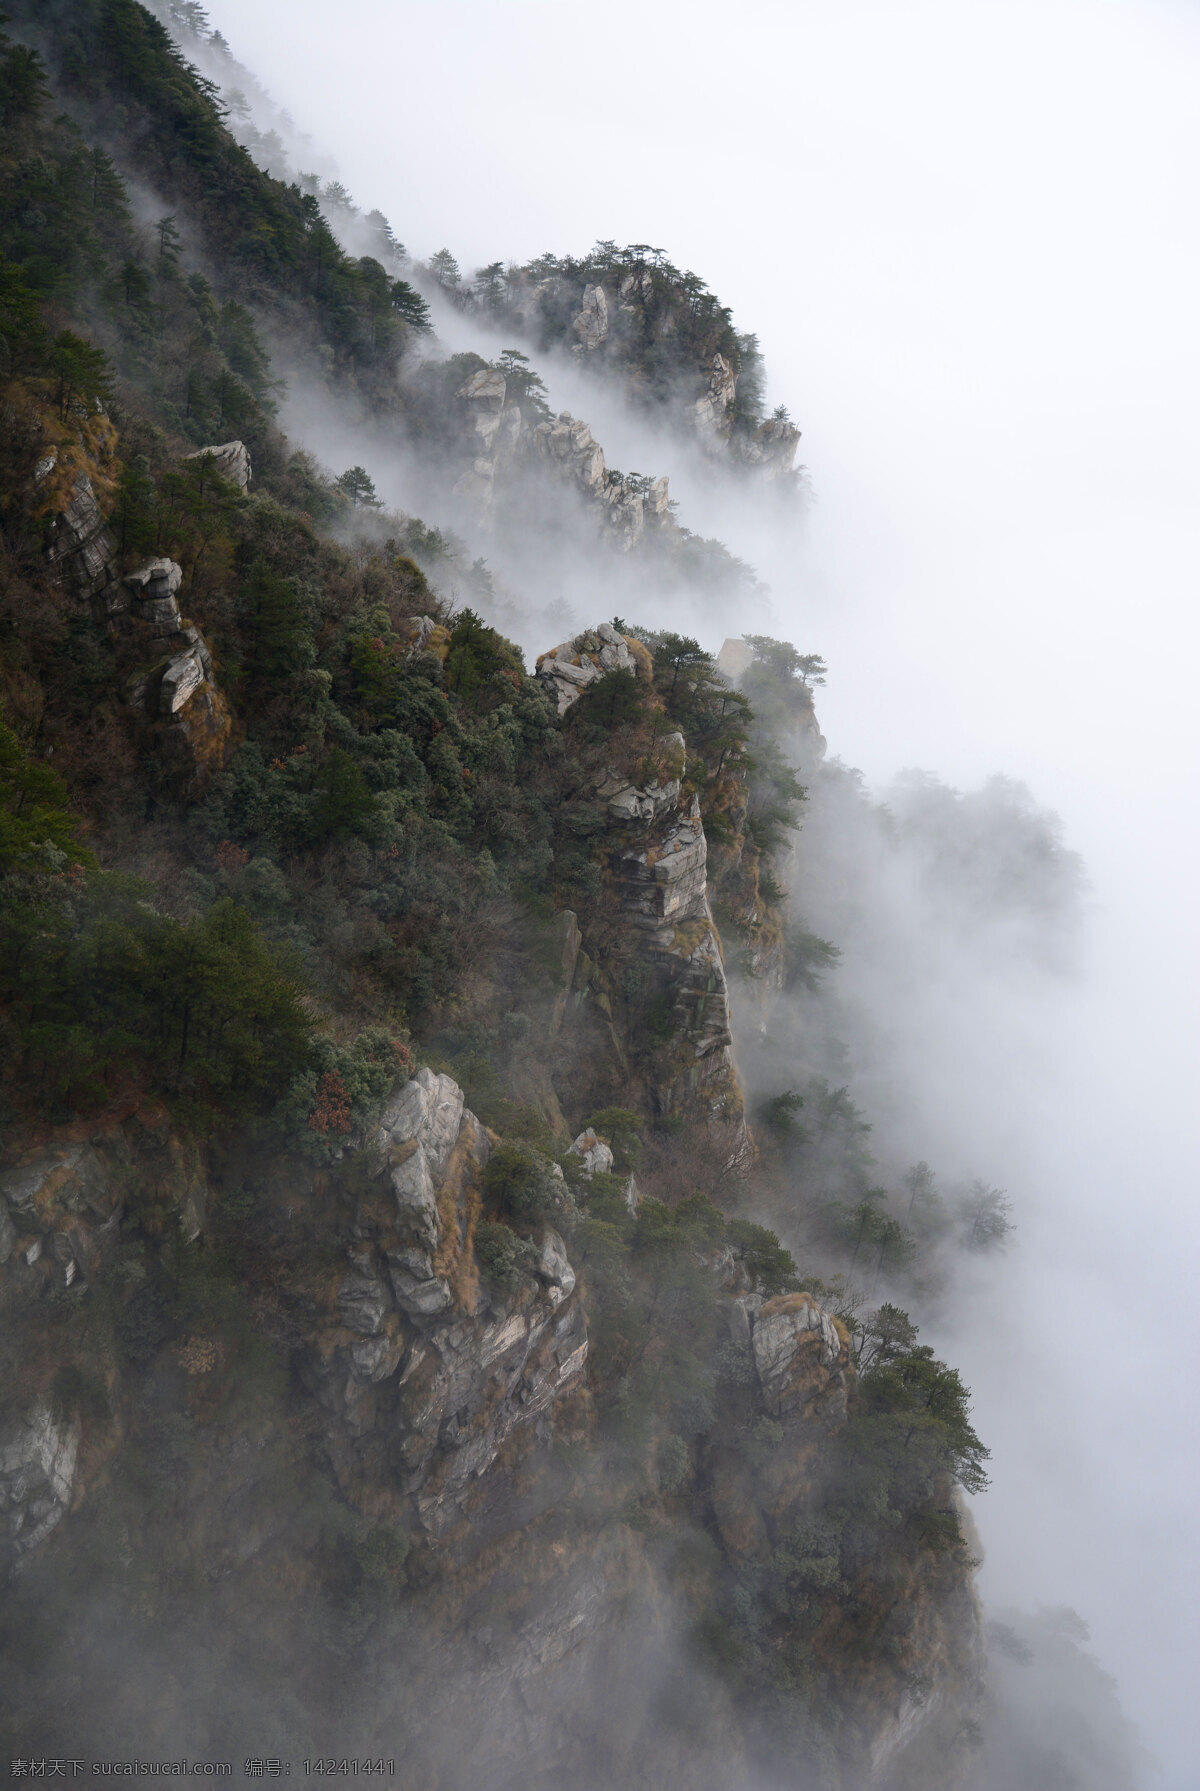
{"x":965,"y":238}
{"x":994,"y":560}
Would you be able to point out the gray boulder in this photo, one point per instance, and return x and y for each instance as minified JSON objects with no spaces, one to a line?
{"x":567,"y":670}
{"x":181,"y":680}
{"x":155,"y":580}
{"x":232,"y":461}
{"x":596,"y":1154}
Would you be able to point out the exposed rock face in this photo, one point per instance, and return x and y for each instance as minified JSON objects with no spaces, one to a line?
{"x":591,"y":325}
{"x":469,"y":1384}
{"x":429,"y":1141}
{"x":568,"y":669}
{"x":597,"y":1155}
{"x":80,"y":548}
{"x":71,"y":1177}
{"x":802,"y":1377}
{"x":542,"y":1613}
{"x":499,"y":442}
{"x":771,"y":450}
{"x":231,"y":460}
{"x":553,"y":1266}
{"x":535,"y":1579}
{"x":188,"y":718}
{"x":419,"y":1365}
{"x":55,"y":1211}
{"x":494,"y":429}
{"x":556,"y":1666}
{"x":624,"y":507}
{"x":363,"y":1297}
{"x":569,"y":441}
{"x":60,"y":1212}
{"x":173,"y":690}
{"x":612,"y":323}
{"x":646,"y":1020}
{"x":658,"y":879}
{"x":796,"y":1347}
{"x":711,"y":411}
{"x":152,"y":589}
{"x":38,"y":1456}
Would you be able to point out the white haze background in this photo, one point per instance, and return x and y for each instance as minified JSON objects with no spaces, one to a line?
{"x":968,"y":235}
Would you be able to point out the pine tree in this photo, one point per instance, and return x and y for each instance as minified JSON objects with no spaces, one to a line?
{"x":357,"y":484}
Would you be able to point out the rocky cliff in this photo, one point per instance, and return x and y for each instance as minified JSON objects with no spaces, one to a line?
{"x":502,"y":443}
{"x":384,"y":1421}
{"x":493,"y":1537}
{"x":647,"y":999}
{"x":629,"y":315}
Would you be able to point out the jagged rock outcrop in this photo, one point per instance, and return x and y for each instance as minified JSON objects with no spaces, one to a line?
{"x":802,"y":1378}
{"x":494,"y":429}
{"x":712,"y":411}
{"x":596,"y":1155}
{"x":771,"y":450}
{"x":179,"y":706}
{"x":646,"y":1021}
{"x":625,"y":506}
{"x":186,"y":716}
{"x":424,"y":1367}
{"x":469,"y":1385}
{"x":80,"y":547}
{"x":658,"y":889}
{"x":536,"y":1578}
{"x":425,"y":1374}
{"x":501,"y":445}
{"x":635,"y":322}
{"x":231,"y":460}
{"x":568,"y":669}
{"x":796,"y":1348}
{"x":595,"y":1152}
{"x":591,"y":325}
{"x":543,"y":1613}
{"x":61,"y":1204}
{"x":58,"y":1206}
{"x":434,"y":1151}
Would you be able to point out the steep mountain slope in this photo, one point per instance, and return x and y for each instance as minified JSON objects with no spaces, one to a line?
{"x":385,"y":1325}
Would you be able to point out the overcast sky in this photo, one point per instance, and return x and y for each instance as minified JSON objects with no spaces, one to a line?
{"x":968,"y":236}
